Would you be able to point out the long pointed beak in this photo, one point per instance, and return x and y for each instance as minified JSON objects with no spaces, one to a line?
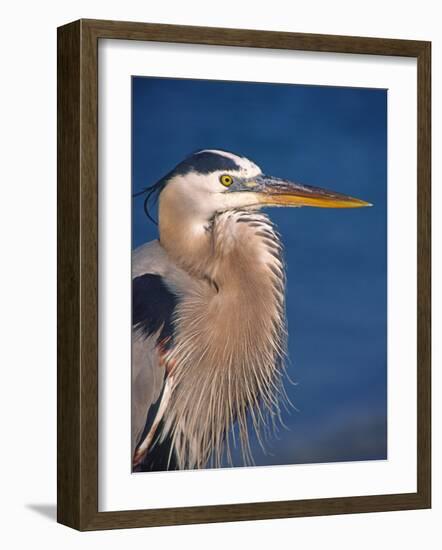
{"x":278,"y":192}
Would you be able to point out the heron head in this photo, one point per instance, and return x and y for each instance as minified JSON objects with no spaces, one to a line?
{"x":213,"y":181}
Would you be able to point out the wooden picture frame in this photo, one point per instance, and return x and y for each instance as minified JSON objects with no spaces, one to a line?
{"x":78,"y":274}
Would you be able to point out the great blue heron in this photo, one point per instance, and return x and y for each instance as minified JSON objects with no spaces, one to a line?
{"x":209,"y":330}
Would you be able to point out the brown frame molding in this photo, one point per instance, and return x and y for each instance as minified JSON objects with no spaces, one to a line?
{"x":77,"y":459}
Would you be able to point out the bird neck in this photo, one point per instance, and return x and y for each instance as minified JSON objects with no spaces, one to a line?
{"x":230,"y":335}
{"x":186,"y":235}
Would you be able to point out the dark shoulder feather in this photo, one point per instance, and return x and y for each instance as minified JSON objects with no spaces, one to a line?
{"x":153,"y":306}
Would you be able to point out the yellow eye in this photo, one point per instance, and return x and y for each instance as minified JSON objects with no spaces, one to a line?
{"x":226,"y":180}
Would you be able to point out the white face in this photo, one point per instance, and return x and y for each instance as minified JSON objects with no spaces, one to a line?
{"x":203,"y":195}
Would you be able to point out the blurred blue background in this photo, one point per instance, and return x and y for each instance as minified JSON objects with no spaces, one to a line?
{"x":336,"y":259}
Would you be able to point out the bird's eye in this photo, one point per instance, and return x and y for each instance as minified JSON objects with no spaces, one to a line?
{"x":226,"y":180}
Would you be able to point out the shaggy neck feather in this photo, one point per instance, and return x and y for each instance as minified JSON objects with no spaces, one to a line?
{"x":230,"y":337}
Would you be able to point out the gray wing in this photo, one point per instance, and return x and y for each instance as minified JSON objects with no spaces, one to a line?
{"x":153,"y":304}
{"x":147,"y":383}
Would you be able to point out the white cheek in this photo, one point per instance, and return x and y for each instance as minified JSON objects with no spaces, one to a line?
{"x":239,"y":200}
{"x":201,"y":196}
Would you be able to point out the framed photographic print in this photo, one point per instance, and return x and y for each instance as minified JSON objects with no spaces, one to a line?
{"x":244,"y":274}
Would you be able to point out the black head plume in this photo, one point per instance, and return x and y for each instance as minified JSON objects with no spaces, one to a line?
{"x":151,"y":192}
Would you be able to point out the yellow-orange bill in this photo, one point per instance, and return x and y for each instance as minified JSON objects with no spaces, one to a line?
{"x":318,"y":202}
{"x":276,"y":192}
